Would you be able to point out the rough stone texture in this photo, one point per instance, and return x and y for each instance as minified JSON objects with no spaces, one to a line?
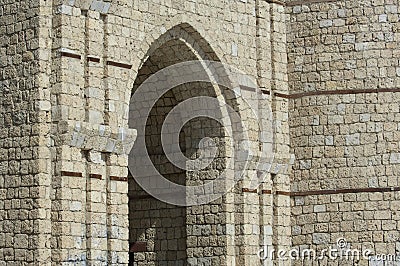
{"x":345,"y":45}
{"x":25,"y":168}
{"x":67,"y":71}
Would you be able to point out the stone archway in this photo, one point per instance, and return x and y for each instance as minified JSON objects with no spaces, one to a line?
{"x":161,"y":233}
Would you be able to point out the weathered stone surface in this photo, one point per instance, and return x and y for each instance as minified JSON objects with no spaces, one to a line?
{"x":360,"y":130}
{"x":67,"y":73}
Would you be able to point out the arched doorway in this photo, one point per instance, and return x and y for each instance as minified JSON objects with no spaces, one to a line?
{"x":162,"y":233}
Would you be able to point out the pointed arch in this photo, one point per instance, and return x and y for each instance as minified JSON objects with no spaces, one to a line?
{"x":179,"y":43}
{"x":196,"y":33}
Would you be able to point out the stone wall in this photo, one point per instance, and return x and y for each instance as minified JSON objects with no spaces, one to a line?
{"x":344,"y":124}
{"x":25,"y":171}
{"x":67,"y":73}
{"x":326,"y":72}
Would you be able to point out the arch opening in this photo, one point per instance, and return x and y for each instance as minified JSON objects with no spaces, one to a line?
{"x":161,"y":233}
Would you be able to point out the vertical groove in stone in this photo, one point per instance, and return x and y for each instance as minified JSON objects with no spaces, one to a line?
{"x":86,"y":72}
{"x":108,"y":209}
{"x":105,"y":74}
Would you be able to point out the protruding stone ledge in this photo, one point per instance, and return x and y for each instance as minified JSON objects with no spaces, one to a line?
{"x":334,"y":191}
{"x":102,"y":7}
{"x":305,"y":2}
{"x":284,"y":193}
{"x":96,"y":176}
{"x":93,"y":59}
{"x":119,"y":178}
{"x":118,"y":64}
{"x":276,"y":2}
{"x":71,"y":174}
{"x":95,"y":137}
{"x":65,"y":52}
{"x":247,"y":88}
{"x":300,"y":2}
{"x":248,"y":190}
{"x":333,"y":92}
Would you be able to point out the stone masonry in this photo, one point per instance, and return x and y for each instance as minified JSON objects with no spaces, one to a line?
{"x":327,"y":72}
